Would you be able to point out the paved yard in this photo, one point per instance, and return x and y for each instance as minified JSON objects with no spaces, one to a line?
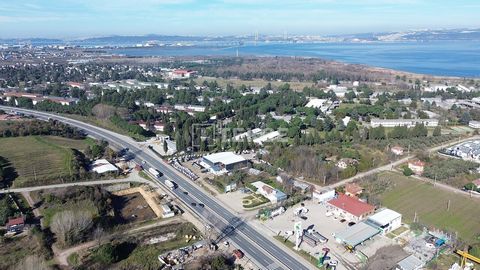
{"x":327,"y":226}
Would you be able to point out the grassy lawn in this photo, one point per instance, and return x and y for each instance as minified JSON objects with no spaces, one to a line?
{"x":40,"y":157}
{"x":409,"y":196}
{"x":254,"y":200}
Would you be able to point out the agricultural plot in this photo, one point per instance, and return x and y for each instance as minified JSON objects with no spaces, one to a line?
{"x":432,"y":206}
{"x":37,"y":158}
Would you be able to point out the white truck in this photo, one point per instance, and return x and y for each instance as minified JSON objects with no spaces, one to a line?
{"x":155,"y":172}
{"x":170,"y":184}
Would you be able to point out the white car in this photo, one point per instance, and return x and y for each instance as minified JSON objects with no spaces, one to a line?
{"x":329,"y":214}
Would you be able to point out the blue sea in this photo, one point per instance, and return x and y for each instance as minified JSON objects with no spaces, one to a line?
{"x":441,"y":58}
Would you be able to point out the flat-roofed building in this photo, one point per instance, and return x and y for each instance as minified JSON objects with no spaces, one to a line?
{"x":356,"y":234}
{"x":385,"y":220}
{"x":474,"y":124}
{"x":223,"y":162}
{"x":403,"y":122}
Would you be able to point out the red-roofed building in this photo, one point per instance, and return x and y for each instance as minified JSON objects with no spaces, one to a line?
{"x":416,"y":166}
{"x":76,"y":84}
{"x":15,"y":224}
{"x":353,"y":190}
{"x":181,"y":74}
{"x":350,"y":208}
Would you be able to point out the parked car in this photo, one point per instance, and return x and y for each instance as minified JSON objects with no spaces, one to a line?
{"x":350,"y":224}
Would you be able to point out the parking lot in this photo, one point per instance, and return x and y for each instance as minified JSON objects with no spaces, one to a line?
{"x":316,"y":219}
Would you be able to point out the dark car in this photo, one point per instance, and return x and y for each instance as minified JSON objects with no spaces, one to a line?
{"x":201,"y":205}
{"x":193,"y":204}
{"x":350,"y":224}
{"x":303,"y":217}
{"x":186,"y":193}
{"x":342,"y":220}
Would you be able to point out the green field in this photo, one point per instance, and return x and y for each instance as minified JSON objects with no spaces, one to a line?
{"x":39,"y":157}
{"x":408,"y":196}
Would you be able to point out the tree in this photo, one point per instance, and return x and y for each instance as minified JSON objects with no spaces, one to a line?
{"x":407,"y":171}
{"x":437,"y":131}
{"x":466,"y":118}
{"x":165,"y":146}
{"x":105,"y":254}
{"x":6,"y":210}
{"x":69,"y":226}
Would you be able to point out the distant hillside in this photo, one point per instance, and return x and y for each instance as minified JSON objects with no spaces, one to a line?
{"x":415,"y":35}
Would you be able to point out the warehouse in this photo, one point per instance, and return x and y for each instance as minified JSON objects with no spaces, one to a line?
{"x":356,"y":234}
{"x":385,"y":220}
{"x":403,"y":122}
{"x":224,"y":162}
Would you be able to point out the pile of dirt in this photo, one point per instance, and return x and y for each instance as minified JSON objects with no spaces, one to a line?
{"x":386,"y":258}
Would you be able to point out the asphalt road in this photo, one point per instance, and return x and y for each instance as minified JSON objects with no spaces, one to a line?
{"x":256,"y":246}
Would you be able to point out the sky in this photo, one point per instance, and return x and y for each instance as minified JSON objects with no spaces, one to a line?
{"x":90,"y":18}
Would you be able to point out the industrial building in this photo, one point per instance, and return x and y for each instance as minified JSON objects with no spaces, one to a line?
{"x":469,"y":150}
{"x":385,"y":220}
{"x":223,"y":162}
{"x":356,"y":234}
{"x":403,"y":122}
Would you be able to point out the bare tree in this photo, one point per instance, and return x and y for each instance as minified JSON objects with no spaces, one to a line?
{"x":69,"y":225}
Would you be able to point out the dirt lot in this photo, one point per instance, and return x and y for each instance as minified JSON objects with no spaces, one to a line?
{"x":132,"y":208}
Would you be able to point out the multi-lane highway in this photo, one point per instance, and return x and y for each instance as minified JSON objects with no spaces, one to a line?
{"x":265,"y":253}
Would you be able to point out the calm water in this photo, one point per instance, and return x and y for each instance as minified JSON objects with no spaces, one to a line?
{"x":443,"y":58}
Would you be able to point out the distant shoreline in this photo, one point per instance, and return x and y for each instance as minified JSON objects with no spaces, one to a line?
{"x":458,"y":59}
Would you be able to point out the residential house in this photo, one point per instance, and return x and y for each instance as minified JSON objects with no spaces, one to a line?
{"x":272,"y":194}
{"x":397,"y":150}
{"x":345,"y":162}
{"x":15,"y":225}
{"x":159,"y":126}
{"x":417,"y":166}
{"x":353,"y":189}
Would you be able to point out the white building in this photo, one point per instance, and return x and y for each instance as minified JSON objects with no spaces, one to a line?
{"x":386,"y":220}
{"x":323,"y":195}
{"x":267,"y":137}
{"x":272,"y":194}
{"x":167,"y":211}
{"x":474,"y":124}
{"x":223,"y":162}
{"x":316,"y":103}
{"x":103,"y":166}
{"x":436,"y":87}
{"x":403,"y":122}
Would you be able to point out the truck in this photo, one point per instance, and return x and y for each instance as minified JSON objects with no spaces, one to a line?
{"x":154,"y":172}
{"x":170,"y":184}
